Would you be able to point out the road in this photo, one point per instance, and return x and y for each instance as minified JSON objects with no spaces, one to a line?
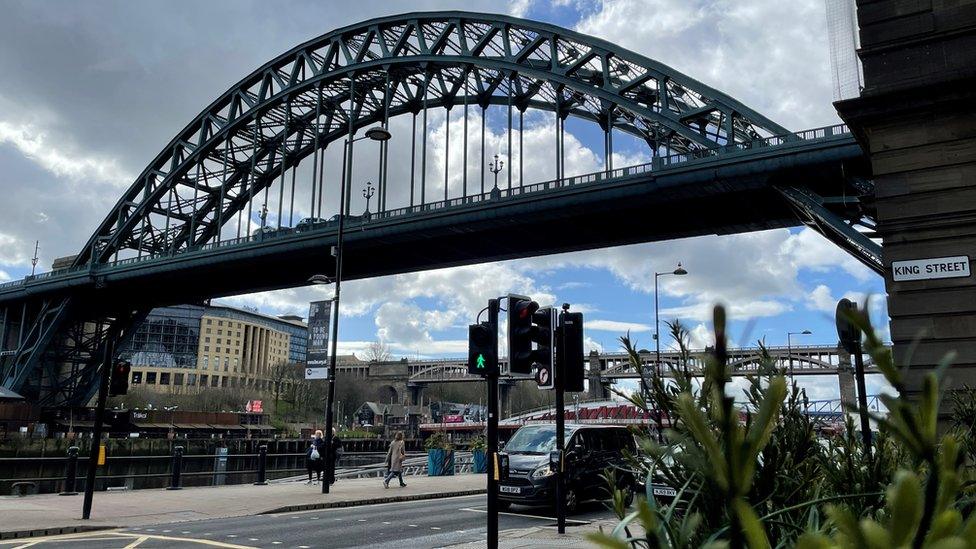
{"x":418,"y":524}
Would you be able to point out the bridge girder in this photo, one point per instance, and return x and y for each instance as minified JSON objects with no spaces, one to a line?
{"x":298,"y":103}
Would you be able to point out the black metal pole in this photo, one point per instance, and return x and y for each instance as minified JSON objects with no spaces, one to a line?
{"x":108,"y":349}
{"x":329,"y":417}
{"x":71,"y":474}
{"x":557,"y":373}
{"x":176,"y":467}
{"x":862,"y":399}
{"x":262,"y":465}
{"x":493,"y":474}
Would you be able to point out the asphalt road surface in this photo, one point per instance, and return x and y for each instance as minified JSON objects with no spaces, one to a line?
{"x":416,"y":524}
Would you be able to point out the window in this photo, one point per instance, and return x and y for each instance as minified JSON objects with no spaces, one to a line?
{"x":235,"y":364}
{"x":164,"y":378}
{"x":208,"y":330}
{"x":206,"y":340}
{"x":203,"y":380}
{"x":206,"y":362}
{"x":220,"y":323}
{"x":238,"y":334}
{"x":223,"y":381}
{"x":191,"y":380}
{"x":136,"y":378}
{"x":150,"y":378}
{"x":218,"y":339}
{"x":220,"y":332}
{"x":233,"y":382}
{"x":206,"y":348}
{"x":178,"y":379}
{"x":209,"y":321}
{"x":214,"y":381}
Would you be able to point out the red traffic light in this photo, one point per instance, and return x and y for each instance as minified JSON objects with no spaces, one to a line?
{"x":525,"y":308}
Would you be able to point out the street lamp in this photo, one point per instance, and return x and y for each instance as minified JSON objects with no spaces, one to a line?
{"x":680,"y":271}
{"x":376,"y":133}
{"x":368,"y":193}
{"x":789,"y":348}
{"x":494,"y":168}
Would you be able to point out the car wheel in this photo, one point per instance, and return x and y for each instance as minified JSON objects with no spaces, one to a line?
{"x":572,"y":501}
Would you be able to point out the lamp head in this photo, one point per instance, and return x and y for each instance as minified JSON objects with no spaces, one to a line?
{"x":378,"y":133}
{"x":806,"y":332}
{"x":680,"y":270}
{"x":319,"y":279}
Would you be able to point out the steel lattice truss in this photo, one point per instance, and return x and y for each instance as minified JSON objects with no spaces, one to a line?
{"x":360,"y":75}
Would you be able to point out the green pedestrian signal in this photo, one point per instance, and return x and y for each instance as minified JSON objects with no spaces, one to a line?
{"x":482,"y":350}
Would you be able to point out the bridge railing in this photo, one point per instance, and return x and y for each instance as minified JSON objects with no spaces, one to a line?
{"x":658,"y":163}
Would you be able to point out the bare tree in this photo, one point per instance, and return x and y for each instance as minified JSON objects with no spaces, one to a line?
{"x":378,"y":351}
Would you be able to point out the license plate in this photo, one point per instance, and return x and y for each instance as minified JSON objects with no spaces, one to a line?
{"x":509,"y":489}
{"x":668,"y":492}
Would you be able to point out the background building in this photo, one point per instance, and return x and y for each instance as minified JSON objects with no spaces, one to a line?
{"x":191,"y":347}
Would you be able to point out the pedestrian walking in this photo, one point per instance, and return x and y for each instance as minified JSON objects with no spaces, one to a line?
{"x":394,"y":461}
{"x":314,"y":460}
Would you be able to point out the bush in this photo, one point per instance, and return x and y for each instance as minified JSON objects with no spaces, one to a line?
{"x":438,"y":441}
{"x":759,"y":476}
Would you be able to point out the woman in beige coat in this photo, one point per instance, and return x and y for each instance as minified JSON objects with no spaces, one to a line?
{"x":394,"y":460}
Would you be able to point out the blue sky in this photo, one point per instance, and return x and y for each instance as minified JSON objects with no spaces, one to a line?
{"x":96,"y":91}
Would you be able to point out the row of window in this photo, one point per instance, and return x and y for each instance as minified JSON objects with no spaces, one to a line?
{"x":192,"y":380}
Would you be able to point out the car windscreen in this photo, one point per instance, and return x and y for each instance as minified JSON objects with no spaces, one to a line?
{"x":539,"y":439}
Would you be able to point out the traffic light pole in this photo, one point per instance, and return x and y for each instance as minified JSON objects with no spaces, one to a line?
{"x":493,"y":473}
{"x":559,"y":385}
{"x":96,"y":443}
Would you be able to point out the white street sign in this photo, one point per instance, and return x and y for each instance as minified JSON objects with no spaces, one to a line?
{"x":316,"y":373}
{"x":927,"y":269}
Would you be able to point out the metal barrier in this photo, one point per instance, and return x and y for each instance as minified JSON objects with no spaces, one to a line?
{"x":176,"y":468}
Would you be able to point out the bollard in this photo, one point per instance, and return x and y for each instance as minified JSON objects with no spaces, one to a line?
{"x":71,"y":474}
{"x":262,"y":465}
{"x":177,"y":467}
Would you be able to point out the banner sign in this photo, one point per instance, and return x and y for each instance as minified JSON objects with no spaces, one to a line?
{"x":450,"y":418}
{"x":319,"y":315}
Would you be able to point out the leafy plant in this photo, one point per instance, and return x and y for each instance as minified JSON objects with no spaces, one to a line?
{"x":438,"y":441}
{"x":479,"y":443}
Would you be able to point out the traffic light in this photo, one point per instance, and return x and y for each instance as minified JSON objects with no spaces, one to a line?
{"x":569,"y":352}
{"x":543,"y":357}
{"x":520,"y":330}
{"x":482,"y":349}
{"x":119,"y":383}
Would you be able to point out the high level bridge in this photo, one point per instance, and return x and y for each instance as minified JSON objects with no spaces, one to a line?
{"x":407,"y":379}
{"x":238,"y":200}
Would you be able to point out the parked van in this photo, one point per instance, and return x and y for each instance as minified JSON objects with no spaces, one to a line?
{"x":590,"y":451}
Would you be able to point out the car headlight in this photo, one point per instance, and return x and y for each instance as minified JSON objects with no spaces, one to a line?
{"x":543,"y":472}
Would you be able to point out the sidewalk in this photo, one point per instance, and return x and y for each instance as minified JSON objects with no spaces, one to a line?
{"x":545,"y":537}
{"x":53,"y":514}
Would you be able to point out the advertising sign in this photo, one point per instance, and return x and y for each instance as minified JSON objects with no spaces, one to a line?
{"x":319,"y":315}
{"x":316,"y":373}
{"x":451,"y":418}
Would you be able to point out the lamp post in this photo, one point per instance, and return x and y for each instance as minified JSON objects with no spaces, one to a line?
{"x":376,"y":134}
{"x":368,"y":193}
{"x":494,"y":168}
{"x":680,"y":271}
{"x":789,"y":348}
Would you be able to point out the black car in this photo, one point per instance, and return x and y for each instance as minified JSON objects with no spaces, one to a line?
{"x":590,"y":451}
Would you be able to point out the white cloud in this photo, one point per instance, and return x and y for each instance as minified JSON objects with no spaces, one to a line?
{"x":616,"y":326}
{"x":820,"y":299}
{"x":52,"y":156}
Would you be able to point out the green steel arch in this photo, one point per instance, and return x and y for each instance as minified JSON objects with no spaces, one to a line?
{"x":363,"y":74}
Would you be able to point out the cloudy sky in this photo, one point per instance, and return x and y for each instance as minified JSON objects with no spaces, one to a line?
{"x":90,"y":92}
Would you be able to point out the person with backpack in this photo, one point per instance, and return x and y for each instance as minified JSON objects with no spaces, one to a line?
{"x":337,"y":450}
{"x":314,"y":460}
{"x":394,"y":461}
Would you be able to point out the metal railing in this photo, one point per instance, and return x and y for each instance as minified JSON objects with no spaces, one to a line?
{"x":657,"y":164}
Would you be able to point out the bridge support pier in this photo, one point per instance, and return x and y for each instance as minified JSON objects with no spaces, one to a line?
{"x":598,"y":389}
{"x":845,"y":378}
{"x":416,"y":393}
{"x":915,"y":118}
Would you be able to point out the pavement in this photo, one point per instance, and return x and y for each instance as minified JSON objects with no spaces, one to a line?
{"x":50,"y":514}
{"x":454,"y":522}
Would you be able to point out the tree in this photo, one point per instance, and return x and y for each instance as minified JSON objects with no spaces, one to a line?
{"x":378,"y":351}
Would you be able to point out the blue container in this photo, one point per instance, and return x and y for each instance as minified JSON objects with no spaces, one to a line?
{"x":480,"y":461}
{"x":440,"y":463}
